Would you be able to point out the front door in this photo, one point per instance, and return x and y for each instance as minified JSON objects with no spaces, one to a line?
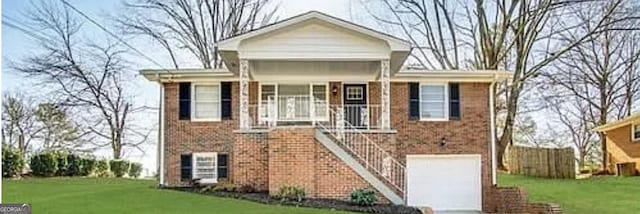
{"x":355,"y":104}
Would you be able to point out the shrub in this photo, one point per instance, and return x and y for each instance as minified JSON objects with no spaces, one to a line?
{"x":224,"y":188}
{"x":87,"y":166}
{"x":74,"y":165}
{"x":44,"y":164}
{"x":102,"y":169}
{"x":135,"y":169}
{"x":12,"y":162}
{"x":61,"y":158}
{"x":291,"y":193}
{"x":363,"y":197}
{"x":246,"y":189}
{"x":119,"y":167}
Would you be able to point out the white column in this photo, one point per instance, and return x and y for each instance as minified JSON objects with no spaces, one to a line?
{"x":385,"y":75}
{"x":244,"y":94}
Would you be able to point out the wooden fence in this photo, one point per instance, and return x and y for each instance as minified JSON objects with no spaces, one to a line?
{"x":541,"y":162}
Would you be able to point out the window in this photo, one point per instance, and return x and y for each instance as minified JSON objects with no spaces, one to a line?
{"x":433,"y":102}
{"x":354,"y":93}
{"x":206,"y":102}
{"x":223,"y":165}
{"x":320,"y":100}
{"x":205,"y":167}
{"x":635,"y":132}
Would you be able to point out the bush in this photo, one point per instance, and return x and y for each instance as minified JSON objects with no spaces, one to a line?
{"x":102,"y":169}
{"x":87,"y":166}
{"x":44,"y":164}
{"x":61,"y":158}
{"x":12,"y":162}
{"x":224,"y":188}
{"x":246,"y":189}
{"x":291,"y":193}
{"x":74,"y":165}
{"x":363,"y":197}
{"x":119,"y":167}
{"x":135,"y":169}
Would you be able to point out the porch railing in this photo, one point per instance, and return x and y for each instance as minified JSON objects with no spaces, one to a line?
{"x":374,"y":157}
{"x":295,"y":109}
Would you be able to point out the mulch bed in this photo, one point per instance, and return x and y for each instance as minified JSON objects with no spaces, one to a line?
{"x":333,"y":204}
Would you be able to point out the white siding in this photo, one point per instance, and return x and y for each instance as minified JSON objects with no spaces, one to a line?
{"x":314,"y":70}
{"x":314,"y":40}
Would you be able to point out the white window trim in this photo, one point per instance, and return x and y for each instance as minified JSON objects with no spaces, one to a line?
{"x":446,"y":101}
{"x":194,"y":159}
{"x":310,"y":84}
{"x":633,"y":131}
{"x":193,"y":103}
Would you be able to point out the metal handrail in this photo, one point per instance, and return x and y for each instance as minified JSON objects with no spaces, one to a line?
{"x":381,"y":161}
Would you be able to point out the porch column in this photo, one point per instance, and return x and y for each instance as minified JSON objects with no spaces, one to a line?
{"x":385,"y":119}
{"x":244,"y":94}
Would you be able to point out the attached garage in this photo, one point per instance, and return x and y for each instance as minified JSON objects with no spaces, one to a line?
{"x":445,"y":182}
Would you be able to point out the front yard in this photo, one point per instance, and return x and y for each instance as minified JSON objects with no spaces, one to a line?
{"x":110,"y":195}
{"x":592,"y":195}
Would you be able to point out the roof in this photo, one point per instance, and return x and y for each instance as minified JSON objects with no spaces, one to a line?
{"x":619,"y":123}
{"x":399,"y":43}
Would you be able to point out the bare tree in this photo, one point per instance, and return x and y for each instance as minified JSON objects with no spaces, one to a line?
{"x":88,"y":77}
{"x":572,"y":115}
{"x":195,"y":25}
{"x":19,"y":125}
{"x":430,"y":27}
{"x":58,"y":131}
{"x":518,"y":35}
{"x":602,"y":72}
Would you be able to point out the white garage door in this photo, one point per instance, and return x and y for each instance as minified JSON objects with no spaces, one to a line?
{"x":444,"y":182}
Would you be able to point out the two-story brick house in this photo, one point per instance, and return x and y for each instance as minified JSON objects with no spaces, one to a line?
{"x":323,"y":103}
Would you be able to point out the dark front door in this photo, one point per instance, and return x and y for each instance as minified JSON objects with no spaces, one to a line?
{"x":355,"y":104}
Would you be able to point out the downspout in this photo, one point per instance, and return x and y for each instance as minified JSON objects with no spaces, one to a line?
{"x":161,"y":131}
{"x":492,"y":129}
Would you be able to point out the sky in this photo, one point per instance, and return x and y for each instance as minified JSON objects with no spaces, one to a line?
{"x":17,"y":45}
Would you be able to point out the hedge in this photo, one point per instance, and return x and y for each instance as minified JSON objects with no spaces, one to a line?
{"x":44,"y":164}
{"x":12,"y":162}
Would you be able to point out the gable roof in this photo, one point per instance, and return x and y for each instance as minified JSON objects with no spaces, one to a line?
{"x":396,"y":44}
{"x":632,"y":119}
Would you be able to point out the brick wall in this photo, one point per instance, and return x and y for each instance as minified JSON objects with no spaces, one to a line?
{"x":250,"y":160}
{"x":291,"y":159}
{"x":469,"y":135}
{"x":185,"y":136}
{"x":515,"y":200}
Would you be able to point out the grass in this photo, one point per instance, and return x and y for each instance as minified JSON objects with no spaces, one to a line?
{"x":593,"y":195}
{"x":109,"y":195}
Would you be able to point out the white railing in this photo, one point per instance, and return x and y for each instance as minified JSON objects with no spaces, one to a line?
{"x":291,"y":109}
{"x":370,"y":153}
{"x":359,"y":116}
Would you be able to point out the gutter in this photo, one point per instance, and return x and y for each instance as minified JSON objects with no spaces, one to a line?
{"x":160,"y":131}
{"x":492,"y":129}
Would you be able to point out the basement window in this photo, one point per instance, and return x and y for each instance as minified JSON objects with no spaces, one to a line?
{"x":205,"y":167}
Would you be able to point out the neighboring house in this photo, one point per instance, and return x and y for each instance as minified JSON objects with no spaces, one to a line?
{"x":322,"y":103}
{"x":623,"y":145}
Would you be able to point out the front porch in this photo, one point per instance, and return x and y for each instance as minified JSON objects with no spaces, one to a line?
{"x":357,"y":98}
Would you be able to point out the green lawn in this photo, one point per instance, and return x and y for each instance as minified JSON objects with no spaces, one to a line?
{"x":101,"y":195}
{"x":593,"y":195}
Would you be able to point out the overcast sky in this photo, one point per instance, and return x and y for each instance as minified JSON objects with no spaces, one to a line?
{"x":16,"y":45}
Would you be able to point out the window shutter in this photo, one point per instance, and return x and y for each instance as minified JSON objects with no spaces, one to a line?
{"x":454,"y":101}
{"x":185,"y":167}
{"x":223,"y":166}
{"x":225,"y":91}
{"x":414,"y":101}
{"x":184,"y":99}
